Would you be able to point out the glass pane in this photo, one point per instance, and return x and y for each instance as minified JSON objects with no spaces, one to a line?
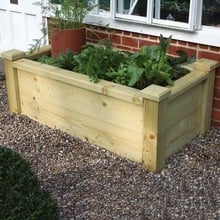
{"x":104,"y":5}
{"x":175,"y":10}
{"x":55,"y":1}
{"x":14,"y":2}
{"x":211,"y":13}
{"x":132,"y":7}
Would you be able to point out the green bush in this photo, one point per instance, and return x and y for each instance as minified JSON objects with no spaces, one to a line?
{"x":20,"y":194}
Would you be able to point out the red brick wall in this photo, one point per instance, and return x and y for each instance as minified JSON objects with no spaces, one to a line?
{"x":133,"y":41}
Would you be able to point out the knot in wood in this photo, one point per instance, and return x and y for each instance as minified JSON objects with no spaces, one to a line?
{"x":151,"y":136}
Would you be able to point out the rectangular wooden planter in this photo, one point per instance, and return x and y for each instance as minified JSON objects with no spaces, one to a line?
{"x":146,"y":125}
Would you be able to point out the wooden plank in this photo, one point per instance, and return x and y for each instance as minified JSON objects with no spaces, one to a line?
{"x":183,"y":105}
{"x":154,"y":131}
{"x":155,"y":93}
{"x":12,"y":87}
{"x":182,"y":132}
{"x":108,"y":122}
{"x":206,"y":102}
{"x":12,"y":79}
{"x":187,"y":135}
{"x":186,"y":82}
{"x":205,"y":65}
{"x":76,"y":79}
{"x":13,"y":55}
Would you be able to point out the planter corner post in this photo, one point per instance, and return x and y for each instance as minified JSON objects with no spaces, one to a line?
{"x":12,"y":78}
{"x":154,"y":127}
{"x":209,"y":66}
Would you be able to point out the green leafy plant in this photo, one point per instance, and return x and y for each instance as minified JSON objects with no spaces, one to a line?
{"x":49,"y":60}
{"x":97,"y":62}
{"x":69,"y":14}
{"x":20,"y":194}
{"x":64,"y":14}
{"x":149,"y":66}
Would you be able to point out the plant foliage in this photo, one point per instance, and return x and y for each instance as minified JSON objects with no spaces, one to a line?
{"x":68,"y":14}
{"x":98,"y":62}
{"x":64,"y":14}
{"x":150,"y":65}
{"x":20,"y":194}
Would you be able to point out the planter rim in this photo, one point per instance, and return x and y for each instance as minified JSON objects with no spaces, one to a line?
{"x":153,"y":92}
{"x":67,"y":29}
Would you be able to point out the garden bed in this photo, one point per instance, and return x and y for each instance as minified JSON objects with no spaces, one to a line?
{"x":146,"y":125}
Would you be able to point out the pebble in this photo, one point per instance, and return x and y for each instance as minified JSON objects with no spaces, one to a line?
{"x":91,"y":183}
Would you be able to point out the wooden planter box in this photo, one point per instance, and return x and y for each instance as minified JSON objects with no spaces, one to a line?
{"x":146,"y":125}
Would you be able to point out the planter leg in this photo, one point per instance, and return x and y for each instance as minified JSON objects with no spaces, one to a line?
{"x":12,"y":79}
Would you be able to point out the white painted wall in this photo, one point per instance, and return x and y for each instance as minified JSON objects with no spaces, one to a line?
{"x":19,"y":24}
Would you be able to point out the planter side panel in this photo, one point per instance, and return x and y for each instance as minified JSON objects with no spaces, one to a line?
{"x":109,"y":122}
{"x":184,"y":118}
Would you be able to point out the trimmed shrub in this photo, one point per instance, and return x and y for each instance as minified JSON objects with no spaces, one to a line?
{"x":20,"y":194}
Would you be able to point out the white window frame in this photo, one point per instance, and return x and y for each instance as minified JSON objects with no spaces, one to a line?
{"x":192,"y":32}
{"x":206,"y":35}
{"x":192,"y":25}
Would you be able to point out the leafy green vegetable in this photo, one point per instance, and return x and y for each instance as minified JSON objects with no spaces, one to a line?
{"x":97,"y":62}
{"x":150,"y":65}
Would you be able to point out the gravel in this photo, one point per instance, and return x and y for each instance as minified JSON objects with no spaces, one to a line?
{"x":89,"y":182}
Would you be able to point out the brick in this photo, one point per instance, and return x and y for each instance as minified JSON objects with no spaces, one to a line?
{"x":115,"y":39}
{"x":118,"y":32}
{"x":97,"y":35}
{"x":135,"y":49}
{"x":209,"y":55}
{"x":215,"y":49}
{"x":204,"y":47}
{"x":216,"y":115}
{"x":216,"y":124}
{"x":192,"y":45}
{"x":146,"y":43}
{"x":129,"y":41}
{"x":190,"y":52}
{"x":137,"y":35}
{"x":154,"y":38}
{"x":127,"y":33}
{"x":217,"y":92}
{"x":217,"y":81}
{"x":182,"y":43}
{"x":174,"y":42}
{"x":123,"y":47}
{"x":145,"y":36}
{"x":217,"y":72}
{"x":91,"y":41}
{"x":216,"y":104}
{"x":103,"y":29}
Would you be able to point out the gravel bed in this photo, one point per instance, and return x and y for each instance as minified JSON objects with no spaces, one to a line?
{"x":91,"y":183}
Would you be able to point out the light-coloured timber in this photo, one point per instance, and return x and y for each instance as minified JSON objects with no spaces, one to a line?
{"x":146,"y":125}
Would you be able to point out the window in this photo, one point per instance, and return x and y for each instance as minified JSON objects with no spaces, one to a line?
{"x":182,"y":14}
{"x":104,"y":5}
{"x":189,"y":20}
{"x":14,"y":2}
{"x":211,"y":13}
